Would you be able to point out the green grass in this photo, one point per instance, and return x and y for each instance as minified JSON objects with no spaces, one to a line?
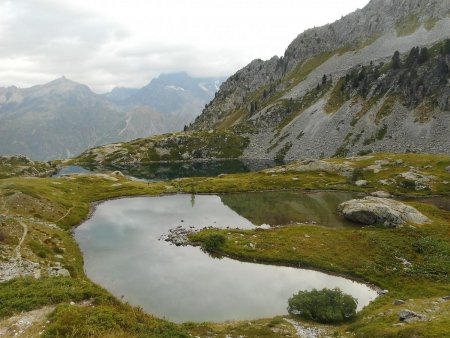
{"x":364,"y":254}
{"x":430,"y":23}
{"x":337,"y":98}
{"x":386,"y":108}
{"x":367,"y":254}
{"x":108,"y":321}
{"x":27,"y":294}
{"x":407,"y":25}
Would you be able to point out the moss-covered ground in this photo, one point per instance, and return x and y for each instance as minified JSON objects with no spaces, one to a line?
{"x":51,"y":207}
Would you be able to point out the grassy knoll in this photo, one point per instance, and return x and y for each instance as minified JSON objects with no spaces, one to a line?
{"x":51,"y":207}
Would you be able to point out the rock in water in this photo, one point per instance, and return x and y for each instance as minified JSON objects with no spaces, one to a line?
{"x":371,"y":210}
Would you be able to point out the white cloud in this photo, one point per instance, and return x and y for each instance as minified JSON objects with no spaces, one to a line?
{"x":104,"y":43}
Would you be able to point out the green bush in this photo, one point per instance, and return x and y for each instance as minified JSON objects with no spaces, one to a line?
{"x":324,"y":306}
{"x":213,"y":242}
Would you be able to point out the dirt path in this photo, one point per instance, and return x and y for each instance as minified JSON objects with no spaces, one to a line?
{"x":27,"y":324}
{"x":66,"y":214}
{"x":24,"y":235}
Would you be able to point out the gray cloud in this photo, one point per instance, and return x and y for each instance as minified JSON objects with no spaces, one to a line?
{"x":104,"y":44}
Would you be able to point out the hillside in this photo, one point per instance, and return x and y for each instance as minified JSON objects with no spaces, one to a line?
{"x":286,"y":110}
{"x":62,"y":118}
{"x":337,"y":91}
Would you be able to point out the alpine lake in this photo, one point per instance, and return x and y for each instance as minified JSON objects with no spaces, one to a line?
{"x":125,"y":250}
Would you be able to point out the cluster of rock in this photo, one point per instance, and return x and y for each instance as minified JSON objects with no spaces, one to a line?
{"x":375,"y":210}
{"x":18,"y":267}
{"x":20,"y":165}
{"x":178,"y":236}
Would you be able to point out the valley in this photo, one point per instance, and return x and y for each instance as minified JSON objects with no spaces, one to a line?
{"x":214,"y":208}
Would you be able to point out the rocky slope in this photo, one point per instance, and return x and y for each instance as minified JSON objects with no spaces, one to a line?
{"x":288,"y":108}
{"x":62,"y":118}
{"x":19,"y":165}
{"x":180,"y":146}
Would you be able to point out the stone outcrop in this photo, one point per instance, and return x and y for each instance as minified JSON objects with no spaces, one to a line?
{"x":374,"y":210}
{"x":419,"y":180}
{"x":409,"y":316}
{"x":310,"y":165}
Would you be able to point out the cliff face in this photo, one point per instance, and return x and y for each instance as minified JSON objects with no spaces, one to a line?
{"x":256,"y":101}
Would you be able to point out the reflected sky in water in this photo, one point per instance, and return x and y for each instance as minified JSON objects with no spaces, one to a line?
{"x":123,"y":254}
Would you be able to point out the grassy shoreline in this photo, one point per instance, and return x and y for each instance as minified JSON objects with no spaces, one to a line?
{"x":67,"y":202}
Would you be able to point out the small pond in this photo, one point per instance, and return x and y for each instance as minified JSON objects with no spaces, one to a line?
{"x":158,"y":171}
{"x":71,"y":169}
{"x":123,"y":253}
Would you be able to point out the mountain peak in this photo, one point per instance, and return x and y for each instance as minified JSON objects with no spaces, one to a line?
{"x":63,"y":81}
{"x":59,"y":85}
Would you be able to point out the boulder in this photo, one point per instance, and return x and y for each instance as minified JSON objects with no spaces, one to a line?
{"x":448,"y":169}
{"x":409,"y":316}
{"x":361,"y":183}
{"x":372,"y":210}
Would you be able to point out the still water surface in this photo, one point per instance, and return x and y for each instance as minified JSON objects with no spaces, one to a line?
{"x":123,"y":254}
{"x":158,"y":171}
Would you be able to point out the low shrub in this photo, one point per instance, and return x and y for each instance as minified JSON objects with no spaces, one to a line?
{"x":323,"y":306}
{"x":213,"y":242}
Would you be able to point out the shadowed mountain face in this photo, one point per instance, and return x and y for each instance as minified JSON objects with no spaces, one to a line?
{"x":62,"y":118}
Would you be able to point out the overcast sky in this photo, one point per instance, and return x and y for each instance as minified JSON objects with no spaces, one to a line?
{"x":108,"y":43}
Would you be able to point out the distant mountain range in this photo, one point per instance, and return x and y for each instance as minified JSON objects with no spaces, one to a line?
{"x":63,"y":118}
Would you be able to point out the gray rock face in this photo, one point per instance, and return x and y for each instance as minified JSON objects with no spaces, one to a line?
{"x":409,"y":316}
{"x":248,"y":101}
{"x":448,"y":168}
{"x":378,"y":18}
{"x":17,"y":267}
{"x":371,"y":210}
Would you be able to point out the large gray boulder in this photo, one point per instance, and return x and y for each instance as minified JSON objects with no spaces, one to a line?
{"x":448,"y":168}
{"x":372,"y":210}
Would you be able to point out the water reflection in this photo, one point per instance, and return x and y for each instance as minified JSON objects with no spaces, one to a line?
{"x":171,"y":170}
{"x":122,"y":253}
{"x":281,"y":208}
